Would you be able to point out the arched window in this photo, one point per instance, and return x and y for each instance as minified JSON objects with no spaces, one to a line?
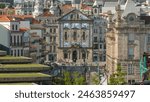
{"x":66,"y":36}
{"x":83,"y":35}
{"x":74,"y":36}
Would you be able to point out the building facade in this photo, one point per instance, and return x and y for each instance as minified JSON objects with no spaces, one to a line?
{"x":127,"y":40}
{"x":75,"y":37}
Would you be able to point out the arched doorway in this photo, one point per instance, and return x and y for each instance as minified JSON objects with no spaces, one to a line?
{"x":74,"y":56}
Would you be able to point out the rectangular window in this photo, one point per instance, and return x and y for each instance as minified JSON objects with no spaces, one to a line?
{"x":131,"y":53}
{"x":18,"y":41}
{"x":21,"y":40}
{"x":21,"y":52}
{"x":13,"y":27}
{"x":100,"y":46}
{"x":104,"y":58}
{"x":95,"y":46}
{"x":95,"y":39}
{"x":16,"y":27}
{"x":14,"y":52}
{"x":14,"y":40}
{"x":95,"y":58}
{"x":130,"y":69}
{"x":51,"y":57}
{"x":50,"y":30}
{"x":50,"y":39}
{"x":131,"y":38}
{"x":18,"y":52}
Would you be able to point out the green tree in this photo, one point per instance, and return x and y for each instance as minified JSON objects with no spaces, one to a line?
{"x":2,"y":6}
{"x":73,"y":78}
{"x":67,"y":78}
{"x":78,"y":79}
{"x":95,"y":79}
{"x":117,"y":78}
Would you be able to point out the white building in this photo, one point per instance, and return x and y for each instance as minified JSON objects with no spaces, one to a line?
{"x":16,"y":37}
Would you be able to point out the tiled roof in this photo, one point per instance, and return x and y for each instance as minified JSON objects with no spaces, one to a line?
{"x":66,"y":8}
{"x":85,"y":7}
{"x":22,"y":16}
{"x":5,"y":18}
{"x":46,"y":14}
{"x":23,"y":29}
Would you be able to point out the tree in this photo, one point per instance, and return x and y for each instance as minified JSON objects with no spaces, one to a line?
{"x":78,"y":79}
{"x":118,"y":77}
{"x":2,"y":6}
{"x":73,"y":78}
{"x":95,"y":79}
{"x":67,"y":78}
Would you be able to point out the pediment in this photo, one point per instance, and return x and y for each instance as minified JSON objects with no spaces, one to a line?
{"x":75,"y":15}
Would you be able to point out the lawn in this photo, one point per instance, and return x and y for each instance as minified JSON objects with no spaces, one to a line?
{"x":22,"y":75}
{"x":11,"y":58}
{"x":23,"y":66}
{"x":17,"y":84}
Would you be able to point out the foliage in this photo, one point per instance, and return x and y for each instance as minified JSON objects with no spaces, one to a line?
{"x":2,"y":6}
{"x":118,"y":77}
{"x":78,"y":79}
{"x":67,"y":79}
{"x":95,"y":79}
{"x":73,"y":78}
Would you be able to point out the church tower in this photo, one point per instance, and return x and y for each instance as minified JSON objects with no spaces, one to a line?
{"x":38,"y":8}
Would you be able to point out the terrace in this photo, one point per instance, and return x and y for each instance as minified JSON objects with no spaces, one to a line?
{"x":23,"y":67}
{"x":23,"y":77}
{"x":11,"y":59}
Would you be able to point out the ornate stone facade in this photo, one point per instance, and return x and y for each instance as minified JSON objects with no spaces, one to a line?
{"x":75,"y":37}
{"x":126,"y":41}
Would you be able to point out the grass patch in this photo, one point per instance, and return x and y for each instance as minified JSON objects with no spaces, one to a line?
{"x":22,"y":75}
{"x":23,"y":66}
{"x":17,"y":83}
{"x":12,"y":58}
